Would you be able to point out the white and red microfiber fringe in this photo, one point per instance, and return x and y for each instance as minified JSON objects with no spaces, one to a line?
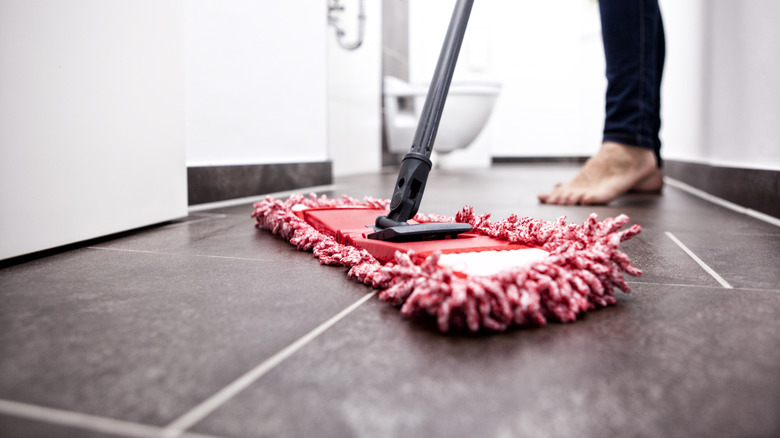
{"x":581,"y":273}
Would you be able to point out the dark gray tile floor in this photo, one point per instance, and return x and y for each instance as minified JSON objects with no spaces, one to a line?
{"x":209,"y":327}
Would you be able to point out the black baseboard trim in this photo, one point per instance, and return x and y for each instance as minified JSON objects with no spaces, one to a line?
{"x":756,"y":189}
{"x":504,"y":160}
{"x":221,"y":183}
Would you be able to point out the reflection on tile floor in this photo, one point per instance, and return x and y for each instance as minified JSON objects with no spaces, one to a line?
{"x":209,"y":327}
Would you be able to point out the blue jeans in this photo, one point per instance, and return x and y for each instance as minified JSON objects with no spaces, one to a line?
{"x":634,"y":46}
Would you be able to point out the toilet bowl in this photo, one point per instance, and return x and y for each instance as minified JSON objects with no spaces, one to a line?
{"x":466,"y":110}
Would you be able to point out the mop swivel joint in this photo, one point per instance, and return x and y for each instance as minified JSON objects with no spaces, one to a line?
{"x":409,"y":187}
{"x":404,"y":205}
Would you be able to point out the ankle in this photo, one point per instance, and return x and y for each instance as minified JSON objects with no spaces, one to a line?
{"x":637,"y":155}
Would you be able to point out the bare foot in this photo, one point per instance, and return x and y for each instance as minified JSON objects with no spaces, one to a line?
{"x":616,"y":169}
{"x":652,"y":183}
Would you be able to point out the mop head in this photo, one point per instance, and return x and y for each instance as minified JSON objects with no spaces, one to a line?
{"x":579,"y":268}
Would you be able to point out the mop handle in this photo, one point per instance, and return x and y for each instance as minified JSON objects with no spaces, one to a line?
{"x":416,"y":165}
{"x":442,"y":77}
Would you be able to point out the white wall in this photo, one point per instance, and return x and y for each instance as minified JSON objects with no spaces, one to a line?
{"x":255,"y":81}
{"x":683,"y":93}
{"x":91,"y":119}
{"x":721,"y":93}
{"x":354,"y":92}
{"x":743,"y":84}
{"x":547,"y":55}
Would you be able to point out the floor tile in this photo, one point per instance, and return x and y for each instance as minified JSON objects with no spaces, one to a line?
{"x":669,"y":361}
{"x":743,"y":260}
{"x":663,"y":262}
{"x":142,"y":336}
{"x":15,"y":427}
{"x":228,"y":236}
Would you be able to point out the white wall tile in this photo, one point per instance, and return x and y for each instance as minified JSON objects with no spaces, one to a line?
{"x":256,"y":81}
{"x":354,"y":94}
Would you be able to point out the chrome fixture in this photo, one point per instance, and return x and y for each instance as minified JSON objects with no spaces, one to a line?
{"x":334,"y":9}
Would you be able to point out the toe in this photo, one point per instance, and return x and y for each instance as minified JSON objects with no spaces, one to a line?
{"x":574,"y":198}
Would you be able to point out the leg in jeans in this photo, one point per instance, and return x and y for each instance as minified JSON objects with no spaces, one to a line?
{"x":634,"y":47}
{"x":629,"y":158}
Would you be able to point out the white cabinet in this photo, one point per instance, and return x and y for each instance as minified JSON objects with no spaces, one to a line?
{"x":91,"y":120}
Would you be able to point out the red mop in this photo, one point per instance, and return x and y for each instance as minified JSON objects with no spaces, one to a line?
{"x":581,"y":272}
{"x":429,"y":265}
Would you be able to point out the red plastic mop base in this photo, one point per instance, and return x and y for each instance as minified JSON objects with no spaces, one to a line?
{"x":350,"y":226}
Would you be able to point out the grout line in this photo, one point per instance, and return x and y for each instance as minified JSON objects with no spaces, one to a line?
{"x":701,"y":263}
{"x":205,"y":408}
{"x":190,"y":222}
{"x":84,"y":421}
{"x":177,"y":254}
{"x":698,"y":286}
{"x":210,"y":215}
{"x":762,"y":216}
{"x":257,"y":198}
{"x":722,"y":202}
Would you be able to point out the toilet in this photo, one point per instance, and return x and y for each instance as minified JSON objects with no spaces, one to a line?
{"x":466,"y":111}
